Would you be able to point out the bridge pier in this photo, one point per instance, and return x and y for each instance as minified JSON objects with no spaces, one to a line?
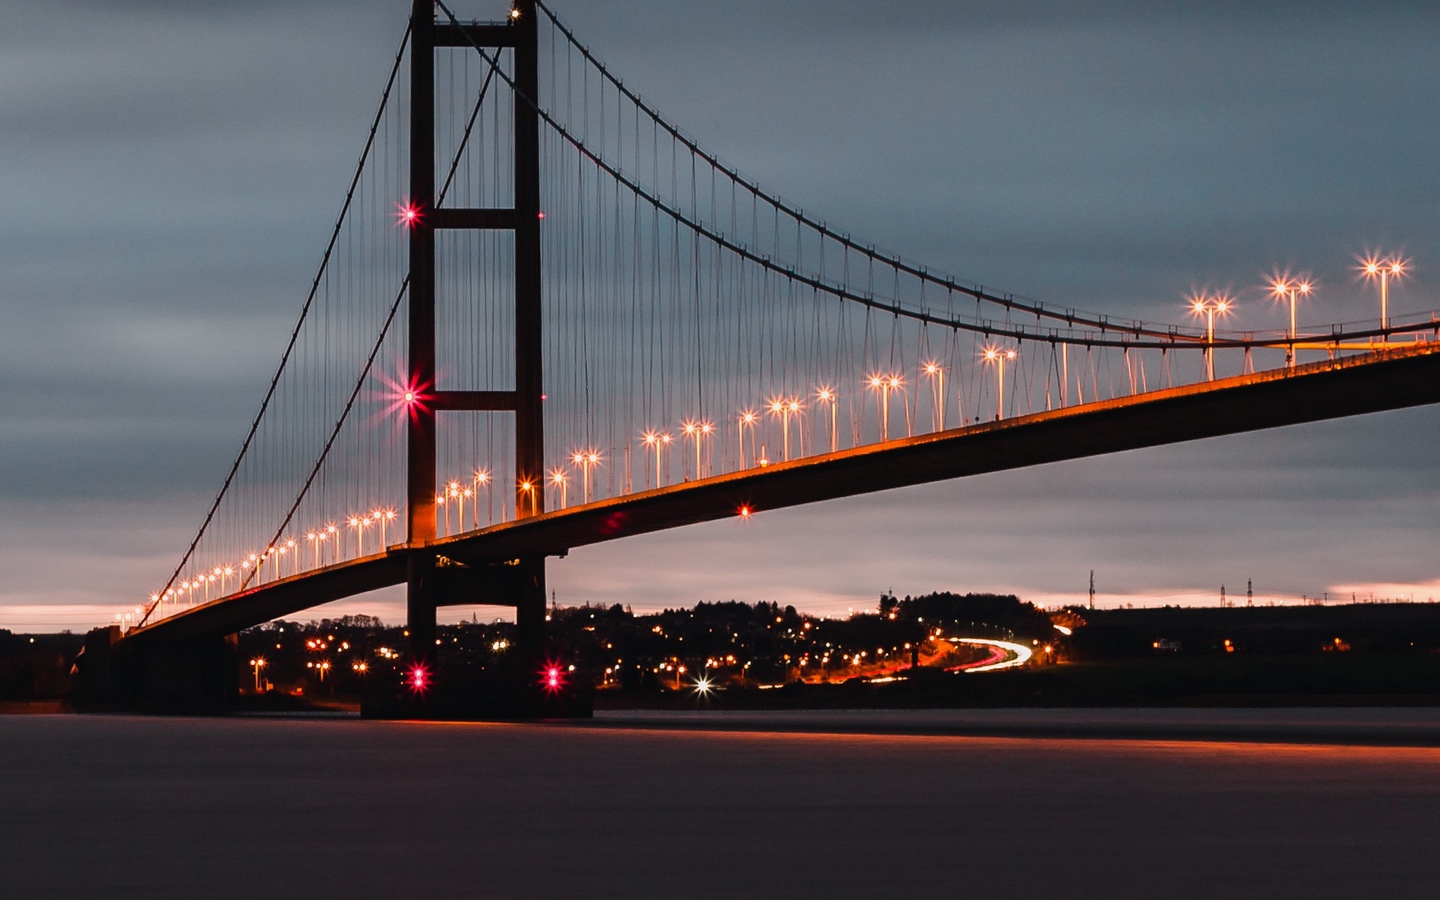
{"x":194,"y":677}
{"x":420,"y":606}
{"x":519,"y":686}
{"x":531,"y":648}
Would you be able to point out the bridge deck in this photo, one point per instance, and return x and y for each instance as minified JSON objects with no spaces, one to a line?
{"x":1388,"y":379}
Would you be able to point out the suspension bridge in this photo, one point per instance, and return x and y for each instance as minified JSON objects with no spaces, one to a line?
{"x":547,"y":318}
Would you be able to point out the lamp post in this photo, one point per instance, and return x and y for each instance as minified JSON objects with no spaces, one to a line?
{"x":827,"y":395}
{"x":785,"y":407}
{"x":557,"y":478}
{"x":697,"y":431}
{"x":455,"y":493}
{"x":1384,"y":269}
{"x":884,"y":384}
{"x":585,"y":459}
{"x":746,"y":420}
{"x":657,"y":441}
{"x":357,"y":523}
{"x":527,"y":488}
{"x":383,"y":516}
{"x":999,"y":357}
{"x":482,"y":479}
{"x":1209,"y":307}
{"x":257,"y":664}
{"x":1285,"y":288}
{"x":936,"y":373}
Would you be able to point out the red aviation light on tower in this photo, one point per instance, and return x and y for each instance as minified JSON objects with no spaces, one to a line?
{"x":552,"y":678}
{"x":408,"y":215}
{"x":418,"y":679}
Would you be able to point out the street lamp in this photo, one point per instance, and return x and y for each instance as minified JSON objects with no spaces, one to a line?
{"x":998,"y":357}
{"x":884,"y":384}
{"x":586,"y":459}
{"x":527,"y":487}
{"x":936,"y":373}
{"x":1284,"y":288}
{"x":657,"y":441}
{"x":827,"y":394}
{"x":358,"y":524}
{"x":746,"y":420}
{"x":557,"y":478}
{"x":482,"y":477}
{"x":697,"y":431}
{"x":1200,"y":305}
{"x":453,"y":491}
{"x":1384,"y":269}
{"x":784,"y":407}
{"x":257,"y":664}
{"x":381,"y":517}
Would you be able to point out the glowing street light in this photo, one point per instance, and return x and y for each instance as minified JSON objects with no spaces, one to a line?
{"x":885,"y":384}
{"x":827,"y":394}
{"x":382,"y":517}
{"x":1208,"y":307}
{"x":358,"y":523}
{"x":454,"y":492}
{"x":657,"y":441}
{"x":557,"y":478}
{"x":528,"y":488}
{"x":780,"y":406}
{"x":257,"y":664}
{"x":936,"y":373}
{"x":746,"y":420}
{"x":998,"y":357}
{"x":1384,"y":269}
{"x":586,"y":460}
{"x":481,"y":479}
{"x":697,"y":431}
{"x":1284,"y":288}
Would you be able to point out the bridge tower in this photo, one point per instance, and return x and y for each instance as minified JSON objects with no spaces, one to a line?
{"x":524,"y":400}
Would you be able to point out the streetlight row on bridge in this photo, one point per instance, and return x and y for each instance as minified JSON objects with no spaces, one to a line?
{"x":269,"y":564}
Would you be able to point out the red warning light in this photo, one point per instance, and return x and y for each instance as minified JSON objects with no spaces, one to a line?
{"x":409,"y":396}
{"x":552,"y":678}
{"x":408,"y":214}
{"x":418,"y":679}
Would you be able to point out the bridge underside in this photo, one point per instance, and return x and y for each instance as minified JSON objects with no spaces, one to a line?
{"x":1386,"y":380}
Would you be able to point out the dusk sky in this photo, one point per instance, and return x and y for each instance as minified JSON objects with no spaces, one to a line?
{"x":172,"y":171}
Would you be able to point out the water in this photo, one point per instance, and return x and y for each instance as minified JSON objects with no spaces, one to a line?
{"x":636,"y":806}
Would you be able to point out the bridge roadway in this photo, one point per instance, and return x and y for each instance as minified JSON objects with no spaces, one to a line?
{"x":1407,"y":375}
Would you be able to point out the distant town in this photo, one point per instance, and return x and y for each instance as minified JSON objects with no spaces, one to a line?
{"x":936,"y":649}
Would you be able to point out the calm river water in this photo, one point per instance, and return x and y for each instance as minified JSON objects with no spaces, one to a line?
{"x":670,"y":806}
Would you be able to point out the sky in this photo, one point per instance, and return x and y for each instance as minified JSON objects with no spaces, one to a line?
{"x":171,"y":172}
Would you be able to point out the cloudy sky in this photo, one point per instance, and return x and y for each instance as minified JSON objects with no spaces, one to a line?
{"x":171,"y":171}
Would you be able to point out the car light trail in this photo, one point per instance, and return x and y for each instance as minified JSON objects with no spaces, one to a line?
{"x":1019,"y":654}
